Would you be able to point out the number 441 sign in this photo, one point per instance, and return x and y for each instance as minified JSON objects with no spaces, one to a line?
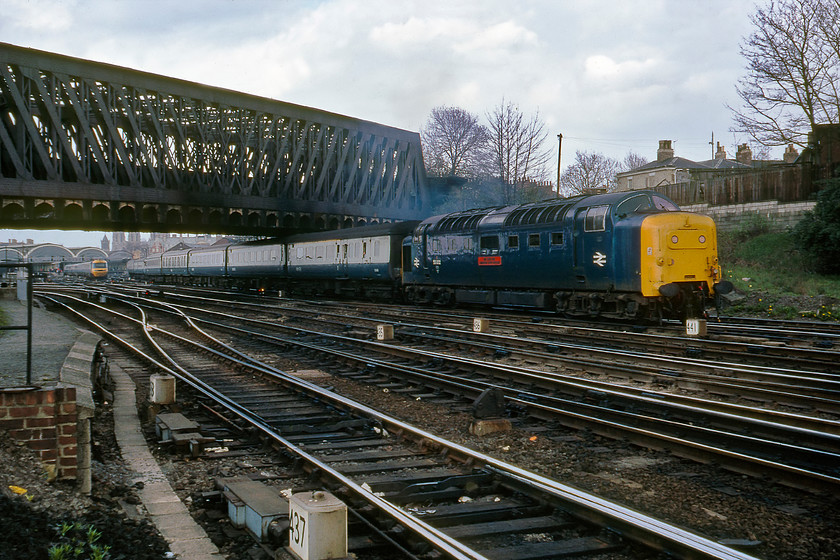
{"x":695,"y":327}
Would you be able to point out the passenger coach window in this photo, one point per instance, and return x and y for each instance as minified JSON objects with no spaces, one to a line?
{"x":513,"y":242}
{"x":533,"y":240}
{"x":596,"y":219}
{"x":556,"y":237}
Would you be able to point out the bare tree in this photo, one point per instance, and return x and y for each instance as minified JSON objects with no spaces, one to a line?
{"x":454,"y":143}
{"x":590,"y":171}
{"x":631,"y":161}
{"x":793,"y":71}
{"x":516,"y":148}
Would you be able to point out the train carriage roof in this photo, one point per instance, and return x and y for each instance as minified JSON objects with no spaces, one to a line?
{"x":543,"y":212}
{"x":395,"y":228}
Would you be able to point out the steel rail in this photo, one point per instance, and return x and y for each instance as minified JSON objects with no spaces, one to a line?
{"x":790,"y":474}
{"x":804,"y":425}
{"x":635,"y":525}
{"x":438,"y":539}
{"x":790,"y":376}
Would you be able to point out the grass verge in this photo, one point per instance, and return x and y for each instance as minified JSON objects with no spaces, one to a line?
{"x":775,"y":278}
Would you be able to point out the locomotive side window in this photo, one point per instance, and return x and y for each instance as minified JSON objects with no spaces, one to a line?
{"x":596,"y":218}
{"x":556,"y":237}
{"x":489,"y":244}
{"x":534,"y":240}
{"x":513,"y":242}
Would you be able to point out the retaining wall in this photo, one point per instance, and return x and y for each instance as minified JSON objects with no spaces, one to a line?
{"x":45,"y":420}
{"x":779,"y":216}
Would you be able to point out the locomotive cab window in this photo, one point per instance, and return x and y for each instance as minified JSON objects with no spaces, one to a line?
{"x":664,"y":204}
{"x":534,"y":240}
{"x":489,"y":244}
{"x":632,"y":206}
{"x":556,"y":238}
{"x":513,"y":242}
{"x":596,"y":219}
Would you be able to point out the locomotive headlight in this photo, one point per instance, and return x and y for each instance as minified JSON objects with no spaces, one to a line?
{"x":702,"y":239}
{"x":674,"y":239}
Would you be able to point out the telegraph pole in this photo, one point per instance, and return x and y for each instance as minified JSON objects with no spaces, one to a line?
{"x":559,"y":150}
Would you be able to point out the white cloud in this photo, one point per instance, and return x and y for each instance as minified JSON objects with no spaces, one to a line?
{"x":505,"y":37}
{"x":37,"y":15}
{"x":603,"y":68}
{"x":610,"y":69}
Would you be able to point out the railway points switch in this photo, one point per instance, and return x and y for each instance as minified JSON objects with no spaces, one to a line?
{"x":254,"y":505}
{"x":168,"y":423}
{"x":317,"y":526}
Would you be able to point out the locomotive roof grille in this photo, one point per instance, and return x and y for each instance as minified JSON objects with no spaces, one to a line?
{"x":538,"y":215}
{"x":461,"y":221}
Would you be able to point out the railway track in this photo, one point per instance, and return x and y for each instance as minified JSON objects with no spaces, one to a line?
{"x":794,"y":449}
{"x":443,"y":496}
{"x":788,"y":344}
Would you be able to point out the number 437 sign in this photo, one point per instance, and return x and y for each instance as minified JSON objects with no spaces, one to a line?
{"x":317,"y":526}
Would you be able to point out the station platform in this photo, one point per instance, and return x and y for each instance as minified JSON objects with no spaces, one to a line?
{"x":53,"y":337}
{"x":62,"y":356}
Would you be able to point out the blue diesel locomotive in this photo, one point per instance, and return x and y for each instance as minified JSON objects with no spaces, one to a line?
{"x":623,"y":255}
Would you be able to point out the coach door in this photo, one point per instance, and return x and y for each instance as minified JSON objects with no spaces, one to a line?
{"x":342,"y":249}
{"x":593,"y":248}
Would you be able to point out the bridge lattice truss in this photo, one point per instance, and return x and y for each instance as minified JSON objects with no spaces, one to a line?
{"x":83,"y":141}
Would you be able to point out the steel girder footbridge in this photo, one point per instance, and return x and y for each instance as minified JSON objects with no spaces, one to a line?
{"x":86,"y":145}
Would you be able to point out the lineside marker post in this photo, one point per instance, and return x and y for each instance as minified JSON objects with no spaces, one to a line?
{"x":384,"y":332}
{"x":481,"y":325}
{"x":696,"y":328}
{"x":317,"y":526}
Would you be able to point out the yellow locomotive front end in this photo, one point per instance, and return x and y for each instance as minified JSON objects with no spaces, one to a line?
{"x":679,"y":259}
{"x":99,"y":269}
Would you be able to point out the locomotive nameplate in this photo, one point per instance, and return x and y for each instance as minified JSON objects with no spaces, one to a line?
{"x":494,"y":260}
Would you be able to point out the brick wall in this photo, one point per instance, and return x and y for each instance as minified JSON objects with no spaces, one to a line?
{"x":45,"y":419}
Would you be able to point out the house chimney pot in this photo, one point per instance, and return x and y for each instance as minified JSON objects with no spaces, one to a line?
{"x":665,"y":150}
{"x":744,"y":155}
{"x":790,"y":154}
{"x":721,"y":152}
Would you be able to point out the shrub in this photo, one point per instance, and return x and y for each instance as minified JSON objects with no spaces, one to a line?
{"x":818,"y":233}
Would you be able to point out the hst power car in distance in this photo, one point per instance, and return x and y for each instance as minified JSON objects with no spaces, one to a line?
{"x":97,"y":268}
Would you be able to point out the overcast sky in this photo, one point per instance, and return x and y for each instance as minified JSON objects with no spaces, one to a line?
{"x":612,"y":76}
